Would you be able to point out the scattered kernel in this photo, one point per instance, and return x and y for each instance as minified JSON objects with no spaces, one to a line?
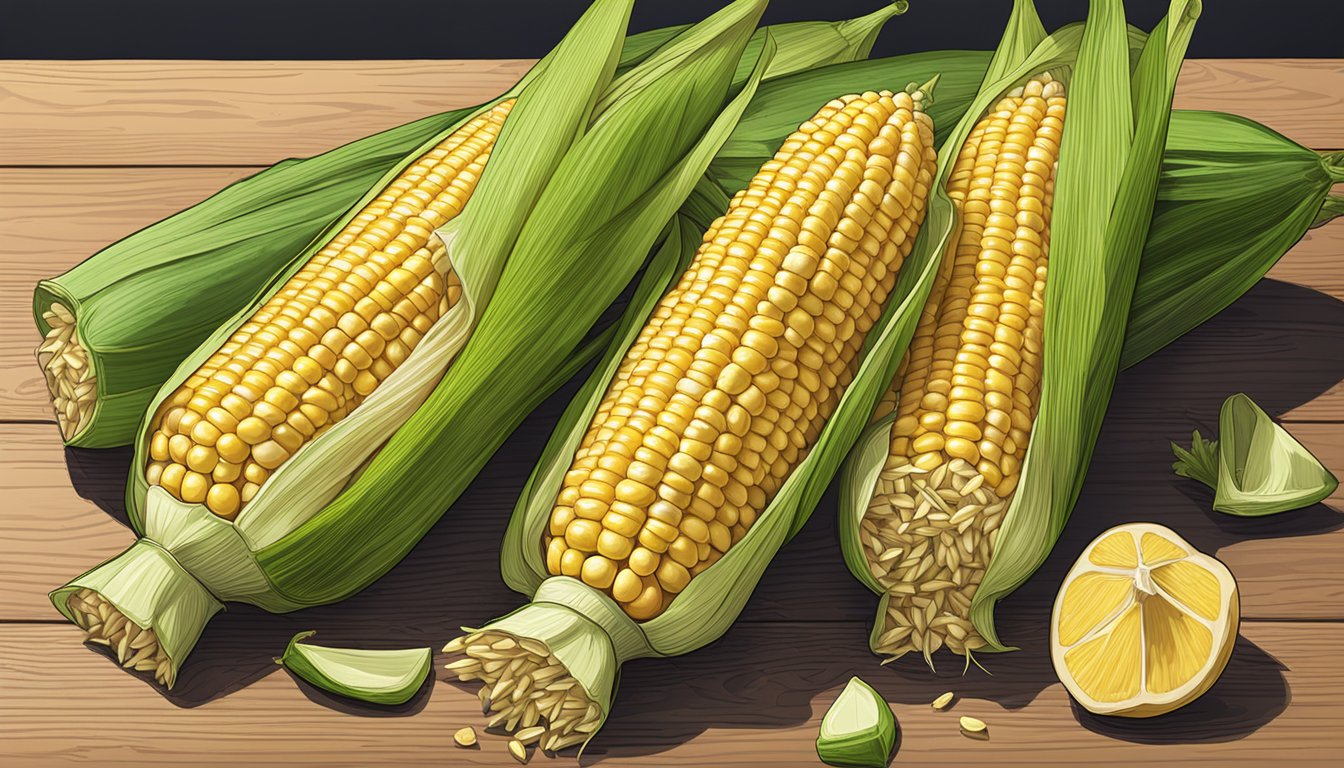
{"x":465,"y":737}
{"x":943,"y":701}
{"x":972,"y":725}
{"x":518,"y":751}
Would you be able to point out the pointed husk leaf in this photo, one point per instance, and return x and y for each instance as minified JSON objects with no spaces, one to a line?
{"x":1255,"y":467}
{"x":375,"y":676}
{"x":858,"y":730}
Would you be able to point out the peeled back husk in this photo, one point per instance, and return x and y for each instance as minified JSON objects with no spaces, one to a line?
{"x":561,"y":194}
{"x":1105,"y":190}
{"x":130,"y":313}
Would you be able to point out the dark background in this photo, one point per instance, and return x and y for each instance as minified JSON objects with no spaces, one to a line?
{"x":450,"y":29}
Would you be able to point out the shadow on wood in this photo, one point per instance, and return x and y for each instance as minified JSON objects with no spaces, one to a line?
{"x":99,"y":475}
{"x":805,"y":631}
{"x":1250,"y":693}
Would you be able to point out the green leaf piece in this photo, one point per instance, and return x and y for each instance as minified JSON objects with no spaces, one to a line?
{"x":1200,"y":462}
{"x":1256,"y":467}
{"x":377,"y":677}
{"x":858,"y":730}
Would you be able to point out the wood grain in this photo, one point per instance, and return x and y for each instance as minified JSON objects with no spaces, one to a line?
{"x":51,"y":218}
{"x":223,"y":112}
{"x":1301,"y":98}
{"x":706,"y":708}
{"x":255,"y":113}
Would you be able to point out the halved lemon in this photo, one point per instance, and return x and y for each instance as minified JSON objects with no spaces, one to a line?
{"x":1144,"y":623}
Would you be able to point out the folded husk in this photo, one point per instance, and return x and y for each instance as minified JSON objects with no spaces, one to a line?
{"x":145,"y":302}
{"x":858,"y":730}
{"x":562,"y":194}
{"x":1105,"y":191}
{"x":375,"y":676}
{"x":1255,"y":467}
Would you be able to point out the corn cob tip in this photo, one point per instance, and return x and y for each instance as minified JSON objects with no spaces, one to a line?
{"x":529,"y":691}
{"x":68,"y":370}
{"x":136,"y":648}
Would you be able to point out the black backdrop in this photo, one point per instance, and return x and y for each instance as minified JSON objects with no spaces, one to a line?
{"x":398,"y":29}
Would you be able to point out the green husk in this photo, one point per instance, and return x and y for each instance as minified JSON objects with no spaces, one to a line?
{"x":204,"y":264}
{"x":858,"y":730}
{"x":377,"y":677}
{"x":1104,"y":196}
{"x":1255,"y":467}
{"x":1234,"y":196}
{"x":560,"y":222}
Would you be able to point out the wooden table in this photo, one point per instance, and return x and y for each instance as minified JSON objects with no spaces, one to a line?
{"x":90,"y":151}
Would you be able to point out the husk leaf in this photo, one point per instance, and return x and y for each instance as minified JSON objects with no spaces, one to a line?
{"x":374,"y":676}
{"x":858,"y":730}
{"x":1255,"y":467}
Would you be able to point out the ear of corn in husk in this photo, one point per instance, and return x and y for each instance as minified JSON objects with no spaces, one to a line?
{"x":1255,"y":467}
{"x":107,"y":349}
{"x":1233,"y":195}
{"x":562,"y":193}
{"x":375,"y":676}
{"x":707,"y":434}
{"x":951,"y":501}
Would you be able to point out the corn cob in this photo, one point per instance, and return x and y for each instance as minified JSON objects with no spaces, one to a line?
{"x":968,"y":387}
{"x":742,"y":363}
{"x":944,"y":509}
{"x":331,"y":518}
{"x":326,"y":339}
{"x":105,"y":350}
{"x":712,"y":405}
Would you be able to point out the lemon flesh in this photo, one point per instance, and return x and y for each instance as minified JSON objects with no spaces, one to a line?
{"x":1144,"y":623}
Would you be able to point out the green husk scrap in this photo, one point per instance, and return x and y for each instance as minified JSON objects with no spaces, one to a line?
{"x":1256,"y":467}
{"x":858,"y":730}
{"x":377,"y":677}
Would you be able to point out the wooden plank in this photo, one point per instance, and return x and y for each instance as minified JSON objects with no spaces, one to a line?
{"x":254,"y":113}
{"x":51,"y":218}
{"x":1300,"y":98}
{"x":135,"y":112}
{"x":754,"y":699}
{"x":1287,"y":565}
